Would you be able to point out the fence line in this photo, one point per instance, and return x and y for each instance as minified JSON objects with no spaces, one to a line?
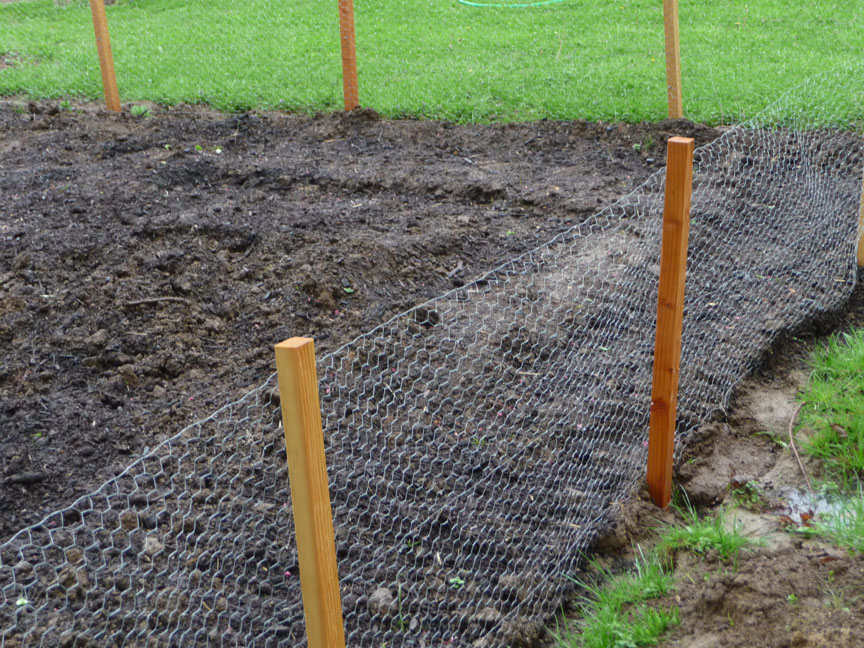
{"x":349,"y":56}
{"x":478,"y":442}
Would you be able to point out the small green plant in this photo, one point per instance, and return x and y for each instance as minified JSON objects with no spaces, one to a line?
{"x":749,"y":495}
{"x":833,"y":403}
{"x":830,"y":488}
{"x":456,"y":583}
{"x":615,"y":613}
{"x":792,"y":599}
{"x":65,"y":105}
{"x":773,"y":436}
{"x":140,"y":111}
{"x":838,"y":599}
{"x":703,"y":535}
{"x":646,"y":144}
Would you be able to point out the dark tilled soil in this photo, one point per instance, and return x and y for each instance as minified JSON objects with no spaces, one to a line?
{"x":148,"y":265}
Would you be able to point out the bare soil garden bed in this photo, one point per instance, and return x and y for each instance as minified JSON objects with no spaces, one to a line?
{"x":150,"y":264}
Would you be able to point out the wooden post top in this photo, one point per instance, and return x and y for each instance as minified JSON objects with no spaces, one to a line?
{"x":294,"y":343}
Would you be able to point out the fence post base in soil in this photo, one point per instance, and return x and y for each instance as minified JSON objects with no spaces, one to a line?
{"x":310,"y":498}
{"x":673,"y":59}
{"x":106,"y":61}
{"x":349,"y":54}
{"x":670,"y":312}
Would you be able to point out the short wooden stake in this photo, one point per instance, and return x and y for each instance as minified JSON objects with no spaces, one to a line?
{"x":310,"y":498}
{"x":861,"y":230}
{"x":673,"y":59}
{"x":349,"y":54}
{"x":670,"y":311}
{"x":106,"y":61}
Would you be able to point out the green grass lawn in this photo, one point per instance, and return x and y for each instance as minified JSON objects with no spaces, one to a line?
{"x":833,"y":406}
{"x":434,"y":58}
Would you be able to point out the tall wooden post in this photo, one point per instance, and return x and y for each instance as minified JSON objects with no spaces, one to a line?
{"x":673,"y":59}
{"x":106,"y":61}
{"x":861,"y":229}
{"x":670,"y":312}
{"x":349,"y":54}
{"x":310,"y":498}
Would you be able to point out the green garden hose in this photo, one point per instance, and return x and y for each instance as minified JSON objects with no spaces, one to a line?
{"x":521,"y":4}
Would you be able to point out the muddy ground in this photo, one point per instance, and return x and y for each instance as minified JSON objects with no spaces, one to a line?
{"x":148,"y":265}
{"x":786,"y":590}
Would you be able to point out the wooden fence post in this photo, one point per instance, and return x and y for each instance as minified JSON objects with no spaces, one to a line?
{"x":861,"y":229}
{"x":673,"y":59}
{"x":349,"y":54}
{"x":670,"y":311}
{"x":106,"y":61}
{"x":310,"y":497}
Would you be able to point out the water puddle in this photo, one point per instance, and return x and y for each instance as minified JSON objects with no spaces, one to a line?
{"x":801,"y":506}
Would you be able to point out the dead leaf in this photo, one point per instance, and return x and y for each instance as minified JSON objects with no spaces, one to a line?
{"x":786,"y":521}
{"x":840,"y":430}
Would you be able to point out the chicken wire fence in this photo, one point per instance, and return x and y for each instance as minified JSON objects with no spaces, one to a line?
{"x":257,"y":54}
{"x":477,"y":444}
{"x":278,"y":55}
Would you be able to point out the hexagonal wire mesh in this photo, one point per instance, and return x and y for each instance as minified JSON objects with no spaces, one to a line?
{"x":476,"y":444}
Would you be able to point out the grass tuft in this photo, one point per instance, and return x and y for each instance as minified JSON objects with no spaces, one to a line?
{"x":845,"y":526}
{"x":615,"y":612}
{"x":703,"y":535}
